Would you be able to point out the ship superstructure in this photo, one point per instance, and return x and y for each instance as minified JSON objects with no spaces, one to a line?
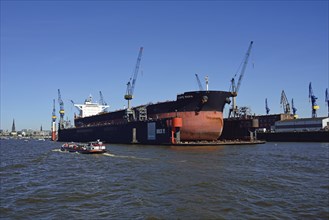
{"x":90,"y":108}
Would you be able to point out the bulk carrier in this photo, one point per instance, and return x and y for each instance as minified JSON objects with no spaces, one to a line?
{"x":193,"y":116}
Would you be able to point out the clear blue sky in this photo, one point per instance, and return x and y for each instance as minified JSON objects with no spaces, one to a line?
{"x":83,"y":47}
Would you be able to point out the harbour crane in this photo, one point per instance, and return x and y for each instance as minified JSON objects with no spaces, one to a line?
{"x":266,"y":107}
{"x":101,"y":101}
{"x":284,"y":102}
{"x":327,"y":100}
{"x":61,"y":110}
{"x":234,"y":88}
{"x":199,"y":82}
{"x":132,"y":81}
{"x":53,"y":124}
{"x":294,"y":109}
{"x":313,"y":99}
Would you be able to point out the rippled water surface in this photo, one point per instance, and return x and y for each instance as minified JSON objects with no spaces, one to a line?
{"x":267,"y":181}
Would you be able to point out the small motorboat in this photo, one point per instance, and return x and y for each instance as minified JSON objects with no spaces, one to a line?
{"x":70,"y":147}
{"x":95,"y":147}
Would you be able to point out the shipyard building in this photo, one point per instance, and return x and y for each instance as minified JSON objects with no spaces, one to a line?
{"x":303,"y":124}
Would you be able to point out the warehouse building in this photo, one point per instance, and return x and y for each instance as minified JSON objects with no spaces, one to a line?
{"x":303,"y":124}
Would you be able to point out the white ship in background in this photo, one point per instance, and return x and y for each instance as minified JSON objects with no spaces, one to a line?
{"x":90,"y":108}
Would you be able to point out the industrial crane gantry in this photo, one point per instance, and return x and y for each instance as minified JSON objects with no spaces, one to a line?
{"x":130,"y":114}
{"x":132,"y":81}
{"x":313,"y":99}
{"x":235,"y":89}
{"x":61,"y":110}
{"x":294,"y":109}
{"x":101,"y":98}
{"x":284,"y":102}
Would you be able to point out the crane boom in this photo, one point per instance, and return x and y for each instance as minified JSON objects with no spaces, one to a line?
{"x":244,"y":67}
{"x":136,"y":70}
{"x":284,"y":102}
{"x":294,"y":109}
{"x":101,"y":101}
{"x":199,"y":82}
{"x":266,"y":107}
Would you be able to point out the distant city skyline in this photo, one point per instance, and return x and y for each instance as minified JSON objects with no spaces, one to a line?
{"x":13,"y":128}
{"x":83,"y":47}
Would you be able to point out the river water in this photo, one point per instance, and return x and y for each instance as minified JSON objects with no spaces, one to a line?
{"x":266,"y":181}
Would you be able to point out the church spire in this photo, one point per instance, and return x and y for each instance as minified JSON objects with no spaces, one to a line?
{"x":13,"y":128}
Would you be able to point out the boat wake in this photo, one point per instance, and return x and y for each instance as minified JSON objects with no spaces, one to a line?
{"x":106,"y":154}
{"x":62,"y":151}
{"x":128,"y":157}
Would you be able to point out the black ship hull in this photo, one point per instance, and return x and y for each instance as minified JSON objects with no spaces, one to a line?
{"x":201,"y":113}
{"x":139,"y":132}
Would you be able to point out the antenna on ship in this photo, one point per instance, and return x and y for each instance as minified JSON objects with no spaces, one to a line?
{"x":132,"y":82}
{"x":207,"y":82}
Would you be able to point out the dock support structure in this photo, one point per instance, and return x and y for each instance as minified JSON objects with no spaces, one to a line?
{"x":53,"y":131}
{"x":134,"y":139}
{"x":176,"y":124}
